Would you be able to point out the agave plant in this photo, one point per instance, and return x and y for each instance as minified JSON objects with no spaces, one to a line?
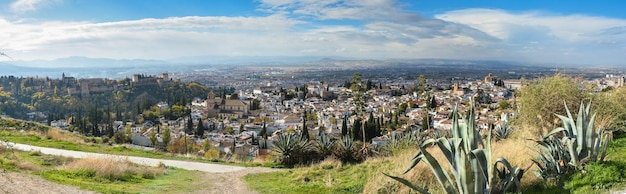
{"x":324,"y":144}
{"x":400,"y":141}
{"x":578,"y":144}
{"x":291,"y":149}
{"x":552,"y":158}
{"x":502,"y":131}
{"x":469,"y":158}
{"x":345,"y":150}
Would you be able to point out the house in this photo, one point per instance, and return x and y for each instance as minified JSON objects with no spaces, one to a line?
{"x":223,"y":108}
{"x":380,"y":140}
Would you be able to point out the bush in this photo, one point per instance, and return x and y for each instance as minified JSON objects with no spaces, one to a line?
{"x":119,"y":137}
{"x":105,"y":139}
{"x":212,"y":154}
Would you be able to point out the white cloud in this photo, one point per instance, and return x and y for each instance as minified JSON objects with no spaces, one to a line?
{"x":30,"y":5}
{"x":539,"y":36}
{"x":297,"y":27}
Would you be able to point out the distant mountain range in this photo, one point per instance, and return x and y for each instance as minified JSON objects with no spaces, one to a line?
{"x":84,"y":67}
{"x":85,"y":62}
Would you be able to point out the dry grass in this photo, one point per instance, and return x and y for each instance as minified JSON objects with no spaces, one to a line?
{"x":60,"y":135}
{"x":113,"y":169}
{"x":420,"y":174}
{"x":517,"y":152}
{"x":514,"y":150}
{"x":28,"y":166}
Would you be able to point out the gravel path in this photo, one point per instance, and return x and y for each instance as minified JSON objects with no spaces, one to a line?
{"x":204,"y":167}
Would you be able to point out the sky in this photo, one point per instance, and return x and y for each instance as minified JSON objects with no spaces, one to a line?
{"x":533,"y":31}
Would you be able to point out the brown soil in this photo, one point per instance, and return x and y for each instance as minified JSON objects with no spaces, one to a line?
{"x":230,"y":182}
{"x":11,"y":182}
{"x":220,"y":183}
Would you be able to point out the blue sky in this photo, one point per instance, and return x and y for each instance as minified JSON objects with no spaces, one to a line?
{"x":561,"y":32}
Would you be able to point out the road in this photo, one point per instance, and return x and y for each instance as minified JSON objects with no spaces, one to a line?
{"x":204,"y":167}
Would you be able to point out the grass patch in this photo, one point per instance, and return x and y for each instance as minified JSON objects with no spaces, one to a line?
{"x":599,"y":177}
{"x":54,"y":138}
{"x":103,"y":175}
{"x":329,"y":176}
{"x":366,"y":177}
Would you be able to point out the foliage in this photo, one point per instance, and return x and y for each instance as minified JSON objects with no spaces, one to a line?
{"x":166,"y":136}
{"x":470,"y":161}
{"x":291,"y":149}
{"x":347,"y":150}
{"x":324,"y":145}
{"x":580,"y":144}
{"x":212,"y":154}
{"x":200,"y":129}
{"x":551,"y":158}
{"x":502,"y":131}
{"x":153,"y":138}
{"x":611,"y":109}
{"x":504,"y":104}
{"x":179,"y":145}
{"x":541,"y":101}
{"x":398,"y":141}
{"x":119,"y":137}
{"x":356,"y":83}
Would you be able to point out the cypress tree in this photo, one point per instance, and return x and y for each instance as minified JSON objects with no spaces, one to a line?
{"x":305,"y":130}
{"x":356,"y":129}
{"x":189,"y":125}
{"x":344,"y":126}
{"x":200,"y":129}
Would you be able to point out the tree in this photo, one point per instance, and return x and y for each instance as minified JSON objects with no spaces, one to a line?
{"x":541,"y":100}
{"x":433,"y":103}
{"x":355,"y":84}
{"x":128,"y":135}
{"x":426,"y":120}
{"x":422,"y":88}
{"x":356,"y":129}
{"x":333,"y":120}
{"x":611,"y":109}
{"x":153,"y":138}
{"x":263,"y":131}
{"x":189,"y":128}
{"x":200,"y":129}
{"x":504,"y":104}
{"x":166,"y":136}
{"x":371,"y":128}
{"x":344,"y":126}
{"x":264,"y":134}
{"x":305,"y":130}
{"x":255,"y":104}
{"x":402,"y":108}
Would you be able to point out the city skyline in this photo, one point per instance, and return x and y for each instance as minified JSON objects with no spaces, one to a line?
{"x":576,"y":32}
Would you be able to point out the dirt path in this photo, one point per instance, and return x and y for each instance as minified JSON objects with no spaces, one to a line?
{"x":204,"y":167}
{"x":11,"y":182}
{"x":222,"y":178}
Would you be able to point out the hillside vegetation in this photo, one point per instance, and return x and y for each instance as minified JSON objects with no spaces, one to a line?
{"x":557,"y":149}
